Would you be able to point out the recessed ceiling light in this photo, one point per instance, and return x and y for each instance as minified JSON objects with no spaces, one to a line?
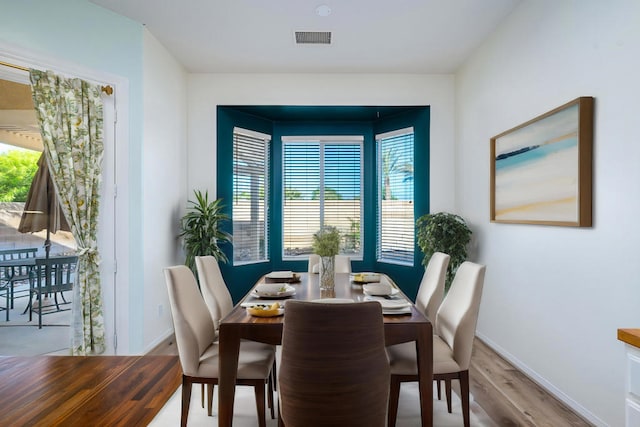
{"x":323,"y":10}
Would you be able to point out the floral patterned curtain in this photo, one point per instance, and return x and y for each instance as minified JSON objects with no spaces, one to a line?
{"x":70,"y":116}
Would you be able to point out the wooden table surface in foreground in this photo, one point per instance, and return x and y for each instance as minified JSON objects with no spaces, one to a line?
{"x":398,"y":328}
{"x":81,"y":391}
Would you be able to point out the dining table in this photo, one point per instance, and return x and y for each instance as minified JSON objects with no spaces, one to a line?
{"x":400,"y":326}
{"x":10,"y":268}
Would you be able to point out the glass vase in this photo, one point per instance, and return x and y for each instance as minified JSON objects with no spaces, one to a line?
{"x":327,"y":270}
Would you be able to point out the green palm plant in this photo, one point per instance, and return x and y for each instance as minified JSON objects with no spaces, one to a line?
{"x":447,"y":233}
{"x":201,"y":229}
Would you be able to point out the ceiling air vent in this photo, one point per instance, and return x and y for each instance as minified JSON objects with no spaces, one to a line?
{"x":313,"y":37}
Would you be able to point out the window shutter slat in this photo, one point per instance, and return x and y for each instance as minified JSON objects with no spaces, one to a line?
{"x":250,"y":196}
{"x":396,"y":222}
{"x":322,"y":187}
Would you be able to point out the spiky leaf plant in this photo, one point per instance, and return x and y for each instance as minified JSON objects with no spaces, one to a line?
{"x":201,"y":229}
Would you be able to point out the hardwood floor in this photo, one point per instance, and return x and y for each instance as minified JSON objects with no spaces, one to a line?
{"x":508,"y":397}
{"x":83,"y":391}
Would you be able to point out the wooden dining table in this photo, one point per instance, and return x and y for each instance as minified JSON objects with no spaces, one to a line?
{"x":239,"y":324}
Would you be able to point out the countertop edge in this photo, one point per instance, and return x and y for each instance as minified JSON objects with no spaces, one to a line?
{"x":630,"y":336}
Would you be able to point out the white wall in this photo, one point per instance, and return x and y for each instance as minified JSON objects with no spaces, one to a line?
{"x":164,"y":183}
{"x":555,"y":296}
{"x":40,"y":33}
{"x":206,"y":91}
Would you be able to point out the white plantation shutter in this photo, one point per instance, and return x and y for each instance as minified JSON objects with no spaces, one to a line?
{"x":250,"y":196}
{"x":396,"y":223}
{"x":322,"y":179}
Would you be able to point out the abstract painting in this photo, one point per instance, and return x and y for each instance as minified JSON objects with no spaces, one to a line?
{"x":541,"y":170}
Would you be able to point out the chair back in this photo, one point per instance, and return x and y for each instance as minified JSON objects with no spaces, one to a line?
{"x":55,"y":274}
{"x":191,"y":319}
{"x":431,"y":290}
{"x":334,"y":369}
{"x":214,"y":289}
{"x":16,"y":272}
{"x":343,"y":264}
{"x":314,"y":263}
{"x":458,"y":314}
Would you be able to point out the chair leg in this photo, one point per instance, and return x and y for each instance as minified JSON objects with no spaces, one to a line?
{"x":270,"y":396}
{"x":210,"y":399}
{"x":280,"y":420}
{"x":40,"y":313}
{"x":30,"y":306}
{"x":7,"y":303}
{"x":186,"y":400}
{"x":202,"y":394}
{"x":394,"y":396}
{"x":464,"y":391}
{"x":447,"y":388}
{"x":439,"y":386}
{"x":259,"y":392}
{"x":274,"y":377}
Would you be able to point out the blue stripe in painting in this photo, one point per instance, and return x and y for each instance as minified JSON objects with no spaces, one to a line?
{"x":515,"y":153}
{"x":533,"y":154}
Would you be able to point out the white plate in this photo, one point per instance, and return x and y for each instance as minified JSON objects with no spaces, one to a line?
{"x":280,"y":275}
{"x":390,"y":304}
{"x":286,"y":292}
{"x":366,"y":291}
{"x":334,"y":300}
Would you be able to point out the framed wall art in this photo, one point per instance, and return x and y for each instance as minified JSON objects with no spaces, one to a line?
{"x":541,"y":170}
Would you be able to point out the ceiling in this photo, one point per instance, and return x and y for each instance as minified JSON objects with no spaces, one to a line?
{"x":257,"y":36}
{"x":367,"y":36}
{"x":18,"y":122}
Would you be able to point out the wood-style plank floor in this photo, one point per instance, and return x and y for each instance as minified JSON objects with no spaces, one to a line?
{"x":85,"y":391}
{"x":508,"y":397}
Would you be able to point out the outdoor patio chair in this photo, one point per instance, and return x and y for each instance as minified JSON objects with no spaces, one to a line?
{"x":50,"y":278}
{"x":11,"y":275}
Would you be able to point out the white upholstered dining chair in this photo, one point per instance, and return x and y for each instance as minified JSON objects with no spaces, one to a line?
{"x":431,"y":290}
{"x":197,"y":349}
{"x":343,"y":264}
{"x":314,"y":263}
{"x":219,"y":302}
{"x":455,"y":328}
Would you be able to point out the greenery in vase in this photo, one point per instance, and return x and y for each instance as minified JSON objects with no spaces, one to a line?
{"x":326,"y":241}
{"x":447,"y":233}
{"x":201,"y":229}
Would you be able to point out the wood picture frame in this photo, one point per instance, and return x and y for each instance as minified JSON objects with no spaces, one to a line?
{"x":541,"y":170}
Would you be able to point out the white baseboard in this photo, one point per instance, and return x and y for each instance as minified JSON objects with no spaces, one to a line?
{"x":544,"y":383}
{"x":153,"y":344}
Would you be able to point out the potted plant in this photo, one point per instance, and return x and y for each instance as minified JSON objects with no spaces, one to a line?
{"x":326,"y":244}
{"x":444,"y":232}
{"x":201,"y":229}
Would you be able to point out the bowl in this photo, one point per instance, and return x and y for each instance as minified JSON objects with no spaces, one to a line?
{"x":381,"y":288}
{"x":274,"y":290}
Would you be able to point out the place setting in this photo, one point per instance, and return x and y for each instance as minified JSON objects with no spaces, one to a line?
{"x":282,"y":277}
{"x":266,"y":298}
{"x":387,"y":296}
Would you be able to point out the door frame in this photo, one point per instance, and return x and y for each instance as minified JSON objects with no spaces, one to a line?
{"x":113,"y":224}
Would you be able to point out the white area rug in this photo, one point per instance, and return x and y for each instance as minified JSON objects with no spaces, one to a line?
{"x":245,"y":410}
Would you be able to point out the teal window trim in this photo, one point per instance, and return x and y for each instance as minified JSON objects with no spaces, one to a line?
{"x":265,"y":119}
